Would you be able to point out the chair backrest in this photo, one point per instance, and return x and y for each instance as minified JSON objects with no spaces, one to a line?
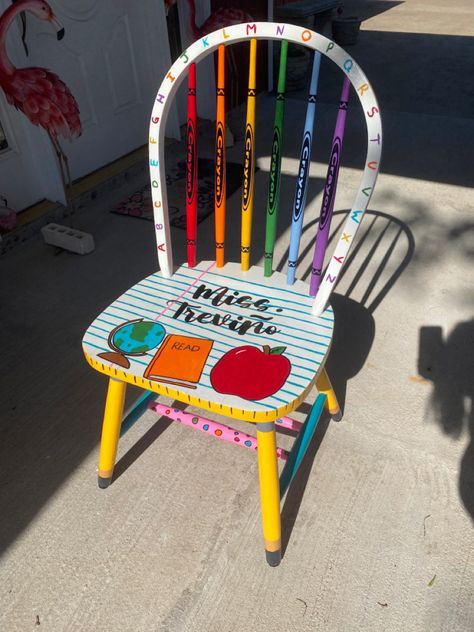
{"x":321,"y":283}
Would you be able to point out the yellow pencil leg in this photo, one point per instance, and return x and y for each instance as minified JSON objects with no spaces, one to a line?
{"x":111,"y":430}
{"x":324,"y":385}
{"x":269,"y":491}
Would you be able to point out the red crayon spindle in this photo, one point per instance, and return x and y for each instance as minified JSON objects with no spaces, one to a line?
{"x":191,"y":169}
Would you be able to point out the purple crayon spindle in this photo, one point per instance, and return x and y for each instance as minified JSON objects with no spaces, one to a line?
{"x":329,"y":192}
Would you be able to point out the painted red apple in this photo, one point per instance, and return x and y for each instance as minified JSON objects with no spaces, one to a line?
{"x":251,"y":373}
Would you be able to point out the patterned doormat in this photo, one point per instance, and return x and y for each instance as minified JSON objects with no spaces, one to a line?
{"x":139,"y":204}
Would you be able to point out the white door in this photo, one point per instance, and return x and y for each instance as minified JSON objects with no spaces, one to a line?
{"x":113,"y":57}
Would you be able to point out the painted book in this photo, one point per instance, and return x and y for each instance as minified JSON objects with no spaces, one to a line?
{"x":179,"y":358}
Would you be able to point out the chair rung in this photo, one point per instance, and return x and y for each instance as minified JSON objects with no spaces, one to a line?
{"x":288,"y":422}
{"x":220,"y":431}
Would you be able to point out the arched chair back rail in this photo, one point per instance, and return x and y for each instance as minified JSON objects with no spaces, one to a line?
{"x":266,"y":30}
{"x":248,"y":343}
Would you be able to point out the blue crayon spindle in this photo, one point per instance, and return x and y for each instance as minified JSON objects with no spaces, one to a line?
{"x":303,"y":172}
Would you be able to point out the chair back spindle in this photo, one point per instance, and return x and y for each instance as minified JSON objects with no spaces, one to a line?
{"x":249,"y":160}
{"x":301,"y":189}
{"x":273,"y":199}
{"x":220,"y":160}
{"x":329,"y":191}
{"x":191,"y":169}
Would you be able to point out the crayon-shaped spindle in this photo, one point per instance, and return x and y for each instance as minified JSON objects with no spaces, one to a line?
{"x":220,"y":164}
{"x":191,"y":169}
{"x":273,"y":199}
{"x":249,"y":161}
{"x":329,"y":192}
{"x":303,"y":172}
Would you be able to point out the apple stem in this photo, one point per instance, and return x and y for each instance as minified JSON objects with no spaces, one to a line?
{"x":266,"y":349}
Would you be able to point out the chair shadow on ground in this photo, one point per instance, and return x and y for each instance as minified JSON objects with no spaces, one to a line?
{"x":449,"y":365}
{"x":379,"y":256}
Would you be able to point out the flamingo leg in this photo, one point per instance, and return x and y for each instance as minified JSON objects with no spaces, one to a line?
{"x":64,"y":168}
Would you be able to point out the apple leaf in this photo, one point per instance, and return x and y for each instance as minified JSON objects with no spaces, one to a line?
{"x":277,"y":350}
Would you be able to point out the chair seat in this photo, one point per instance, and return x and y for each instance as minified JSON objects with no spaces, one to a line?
{"x":236,"y":343}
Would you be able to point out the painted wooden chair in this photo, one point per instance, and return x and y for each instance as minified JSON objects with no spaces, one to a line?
{"x":245,"y":342}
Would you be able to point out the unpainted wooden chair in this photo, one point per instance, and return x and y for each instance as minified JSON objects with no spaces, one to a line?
{"x":245,"y":342}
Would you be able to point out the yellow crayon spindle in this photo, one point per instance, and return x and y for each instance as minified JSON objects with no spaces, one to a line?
{"x":249,"y":160}
{"x":220,"y":164}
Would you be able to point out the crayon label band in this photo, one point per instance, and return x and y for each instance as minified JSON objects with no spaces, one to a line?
{"x":190,"y":161}
{"x":248,"y":168}
{"x":219,"y":165}
{"x":272,"y":191}
{"x":330,"y":186}
{"x":302,"y":176}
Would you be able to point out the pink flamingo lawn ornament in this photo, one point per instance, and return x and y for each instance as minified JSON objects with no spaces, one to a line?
{"x":217,"y":20}
{"x":38,"y":92}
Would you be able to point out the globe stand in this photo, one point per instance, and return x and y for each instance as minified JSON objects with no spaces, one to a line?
{"x":116,"y":357}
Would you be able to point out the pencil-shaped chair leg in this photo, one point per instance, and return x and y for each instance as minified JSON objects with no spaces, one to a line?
{"x":269,"y":491}
{"x":111,"y":430}
{"x":324,"y":385}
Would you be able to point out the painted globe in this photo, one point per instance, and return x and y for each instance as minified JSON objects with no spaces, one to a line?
{"x":138,"y":337}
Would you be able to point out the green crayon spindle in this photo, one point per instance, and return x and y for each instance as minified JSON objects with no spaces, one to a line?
{"x":273,"y":199}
